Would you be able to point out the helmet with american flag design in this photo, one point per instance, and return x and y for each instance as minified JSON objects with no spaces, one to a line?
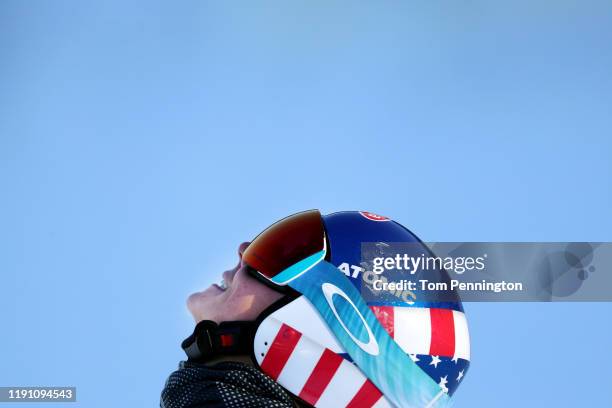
{"x":294,"y":345}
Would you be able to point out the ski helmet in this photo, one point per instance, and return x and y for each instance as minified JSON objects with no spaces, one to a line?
{"x":321,"y":345}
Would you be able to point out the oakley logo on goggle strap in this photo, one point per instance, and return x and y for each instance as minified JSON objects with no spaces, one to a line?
{"x":329,"y":290}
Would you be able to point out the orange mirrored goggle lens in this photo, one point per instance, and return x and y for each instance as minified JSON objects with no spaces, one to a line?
{"x":285,"y":243}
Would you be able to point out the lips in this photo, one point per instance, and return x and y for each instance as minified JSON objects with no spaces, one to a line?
{"x":221,"y":286}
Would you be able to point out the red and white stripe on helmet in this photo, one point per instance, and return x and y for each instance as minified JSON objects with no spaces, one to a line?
{"x":314,"y":373}
{"x":420,"y":330}
{"x":295,"y":347}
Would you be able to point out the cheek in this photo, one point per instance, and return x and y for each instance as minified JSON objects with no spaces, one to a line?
{"x":260,"y":297}
{"x":239,"y":298}
{"x":248,"y":299}
{"x":267,"y":294}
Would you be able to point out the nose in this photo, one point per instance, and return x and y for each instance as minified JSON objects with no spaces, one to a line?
{"x":241,"y":248}
{"x":228,"y":276}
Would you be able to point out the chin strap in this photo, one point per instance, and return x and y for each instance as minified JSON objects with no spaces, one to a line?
{"x":210,"y":340}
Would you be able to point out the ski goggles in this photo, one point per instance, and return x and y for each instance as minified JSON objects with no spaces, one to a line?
{"x":291,"y":253}
{"x":287,"y":248}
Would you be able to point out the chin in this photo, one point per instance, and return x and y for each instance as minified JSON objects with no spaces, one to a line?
{"x":196,"y":301}
{"x":200,"y":303}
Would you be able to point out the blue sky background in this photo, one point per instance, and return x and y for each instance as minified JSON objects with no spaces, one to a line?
{"x":141,"y":142}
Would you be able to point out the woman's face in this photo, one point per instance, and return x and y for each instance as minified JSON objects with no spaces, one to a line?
{"x":242,"y":298}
